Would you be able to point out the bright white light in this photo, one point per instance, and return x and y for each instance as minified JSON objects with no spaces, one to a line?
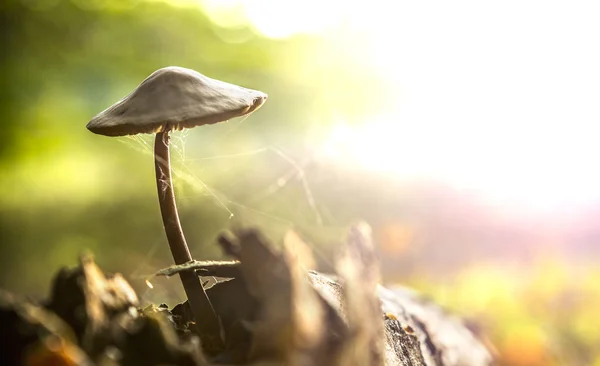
{"x":500,"y":97}
{"x":279,"y":19}
{"x":506,"y":173}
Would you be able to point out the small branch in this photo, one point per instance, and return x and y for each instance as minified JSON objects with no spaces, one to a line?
{"x":203,"y":268}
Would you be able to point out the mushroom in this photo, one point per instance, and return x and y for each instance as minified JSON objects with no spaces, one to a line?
{"x":174,"y":98}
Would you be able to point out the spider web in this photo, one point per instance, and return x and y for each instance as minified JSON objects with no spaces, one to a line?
{"x":184,"y":171}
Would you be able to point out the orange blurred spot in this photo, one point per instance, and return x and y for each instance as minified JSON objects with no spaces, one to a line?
{"x":394,"y":238}
{"x":524,"y":347}
{"x":55,"y":351}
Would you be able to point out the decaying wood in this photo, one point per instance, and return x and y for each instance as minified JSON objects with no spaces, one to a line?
{"x":362,"y":323}
{"x":358,"y":269}
{"x":273,"y":307}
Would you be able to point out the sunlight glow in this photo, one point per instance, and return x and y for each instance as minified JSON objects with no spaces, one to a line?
{"x":498,"y":97}
{"x":280,"y":19}
{"x":525,"y":176}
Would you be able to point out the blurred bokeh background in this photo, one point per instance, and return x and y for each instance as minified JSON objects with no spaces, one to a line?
{"x":466,"y":133}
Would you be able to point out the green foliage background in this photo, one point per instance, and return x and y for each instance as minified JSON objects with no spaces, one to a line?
{"x":67,"y":189}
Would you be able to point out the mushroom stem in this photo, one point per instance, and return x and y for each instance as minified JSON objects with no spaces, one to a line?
{"x":202,"y":310}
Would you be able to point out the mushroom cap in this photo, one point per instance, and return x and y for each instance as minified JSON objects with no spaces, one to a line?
{"x":173,"y":98}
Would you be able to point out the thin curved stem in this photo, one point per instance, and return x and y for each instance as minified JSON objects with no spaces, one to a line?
{"x":202,"y":310}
